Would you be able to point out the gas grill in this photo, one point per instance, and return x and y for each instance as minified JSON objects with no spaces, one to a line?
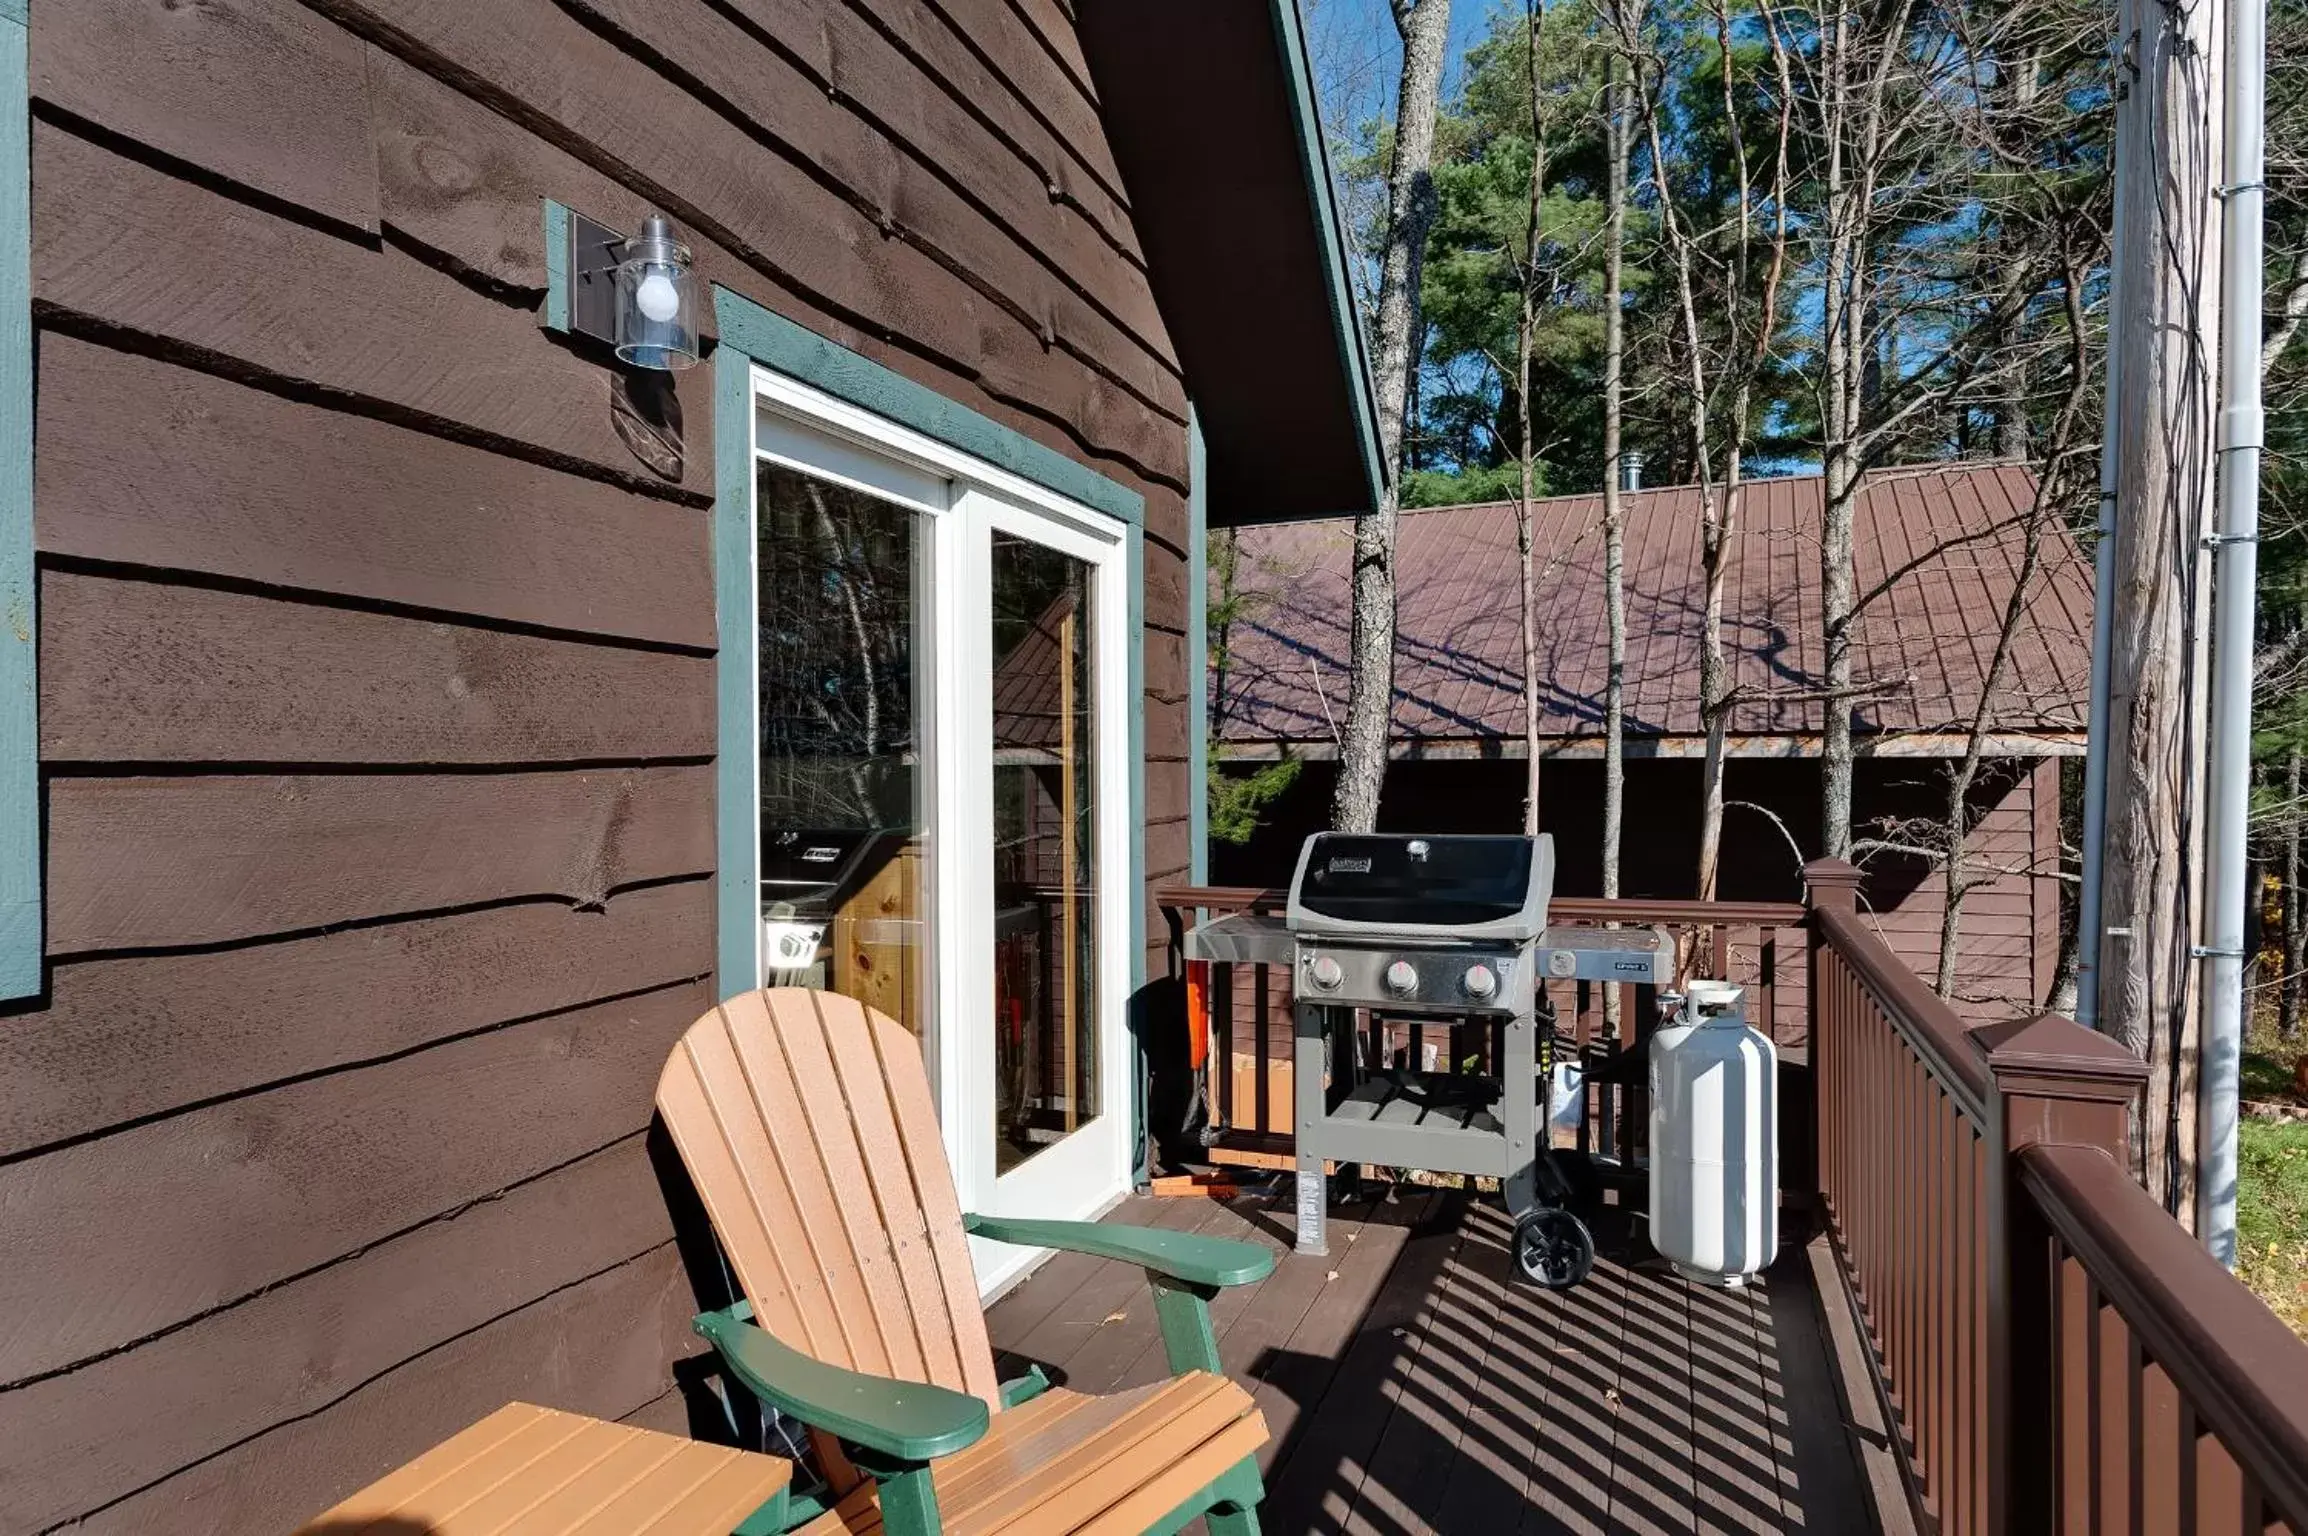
{"x":806,"y":876}
{"x":1398,"y":927}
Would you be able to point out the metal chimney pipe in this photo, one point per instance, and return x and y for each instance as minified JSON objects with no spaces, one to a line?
{"x":1631,"y":470}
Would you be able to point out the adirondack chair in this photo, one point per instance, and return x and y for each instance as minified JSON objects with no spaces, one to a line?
{"x":806,"y":1124}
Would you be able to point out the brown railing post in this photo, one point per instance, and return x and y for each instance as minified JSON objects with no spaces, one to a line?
{"x":2054,"y":1082}
{"x":1828,"y":884}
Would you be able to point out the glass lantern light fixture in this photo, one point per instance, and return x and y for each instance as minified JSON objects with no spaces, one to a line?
{"x":656,"y":307}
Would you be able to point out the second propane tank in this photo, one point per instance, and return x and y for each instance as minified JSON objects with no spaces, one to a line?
{"x":1714,"y":1139}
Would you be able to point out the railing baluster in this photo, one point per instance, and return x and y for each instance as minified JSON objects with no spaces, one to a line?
{"x":2076,"y":1437}
{"x":2161,"y":1434}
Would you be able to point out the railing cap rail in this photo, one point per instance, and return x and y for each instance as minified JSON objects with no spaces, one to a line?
{"x":2244,"y":1371}
{"x":1925,"y":1019}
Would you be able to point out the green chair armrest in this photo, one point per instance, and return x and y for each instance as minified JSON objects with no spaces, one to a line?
{"x":1184,"y":1256}
{"x":901,"y":1420}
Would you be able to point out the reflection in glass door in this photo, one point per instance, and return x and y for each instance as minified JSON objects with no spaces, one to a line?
{"x":844,"y":724}
{"x":1047,"y":1057}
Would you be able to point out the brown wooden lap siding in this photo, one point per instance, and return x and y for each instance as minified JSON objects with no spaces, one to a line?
{"x":377,"y":682}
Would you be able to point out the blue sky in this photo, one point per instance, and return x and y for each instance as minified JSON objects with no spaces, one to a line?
{"x":1361,"y":33}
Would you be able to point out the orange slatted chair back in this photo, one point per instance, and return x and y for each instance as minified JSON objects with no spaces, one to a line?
{"x":806,"y":1123}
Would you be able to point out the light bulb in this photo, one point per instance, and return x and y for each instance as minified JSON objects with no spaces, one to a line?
{"x":657,"y":298}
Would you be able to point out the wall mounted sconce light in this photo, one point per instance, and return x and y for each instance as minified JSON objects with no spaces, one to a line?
{"x":634,"y":292}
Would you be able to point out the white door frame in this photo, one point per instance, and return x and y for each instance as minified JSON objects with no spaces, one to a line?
{"x":967,"y":500}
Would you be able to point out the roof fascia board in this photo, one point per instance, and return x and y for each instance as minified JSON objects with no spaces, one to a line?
{"x":1314,"y":156}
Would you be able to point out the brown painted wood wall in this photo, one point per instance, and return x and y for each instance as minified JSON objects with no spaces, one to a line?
{"x":377,"y":680}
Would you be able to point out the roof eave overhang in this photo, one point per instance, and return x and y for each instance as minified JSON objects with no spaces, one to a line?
{"x":1210,"y":108}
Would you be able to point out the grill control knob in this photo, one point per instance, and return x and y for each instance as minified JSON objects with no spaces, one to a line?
{"x":1402,"y":978}
{"x":1481,"y":982}
{"x":1325,"y":973}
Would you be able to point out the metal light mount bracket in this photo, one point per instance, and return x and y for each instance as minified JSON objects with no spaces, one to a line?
{"x":594,"y":251}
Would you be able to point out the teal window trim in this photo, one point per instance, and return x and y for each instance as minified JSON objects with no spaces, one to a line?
{"x":751,"y":334}
{"x":556,"y":315}
{"x":21,"y":918}
{"x":1197,"y":657}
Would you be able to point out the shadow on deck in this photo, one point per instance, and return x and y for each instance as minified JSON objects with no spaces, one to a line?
{"x":1410,"y":1389}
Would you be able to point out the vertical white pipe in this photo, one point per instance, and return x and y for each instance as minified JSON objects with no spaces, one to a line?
{"x":2095,"y":831}
{"x":2235,"y":576}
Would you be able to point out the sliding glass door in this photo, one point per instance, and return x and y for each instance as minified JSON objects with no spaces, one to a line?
{"x":941,"y":666}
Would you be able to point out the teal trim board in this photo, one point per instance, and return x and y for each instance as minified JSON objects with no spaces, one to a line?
{"x":1197,"y":657}
{"x":1306,"y":120}
{"x":20,"y":896}
{"x":1134,"y":710}
{"x":737,"y":763}
{"x":778,"y":343}
{"x":556,"y":315}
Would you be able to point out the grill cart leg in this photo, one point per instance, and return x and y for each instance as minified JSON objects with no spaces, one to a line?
{"x":1521,"y":1101}
{"x":1310,"y":1107}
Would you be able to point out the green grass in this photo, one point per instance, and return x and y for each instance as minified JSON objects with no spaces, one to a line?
{"x":2272,"y":1216}
{"x":2267,"y":1067}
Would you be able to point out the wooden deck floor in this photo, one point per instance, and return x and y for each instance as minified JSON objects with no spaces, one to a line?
{"x":1409,"y":1389}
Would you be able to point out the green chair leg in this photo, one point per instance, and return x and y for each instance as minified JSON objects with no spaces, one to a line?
{"x":1238,"y":1520}
{"x":1183,"y":1311}
{"x":772,"y":1519}
{"x":909,"y":1507}
{"x":1229,"y":1504}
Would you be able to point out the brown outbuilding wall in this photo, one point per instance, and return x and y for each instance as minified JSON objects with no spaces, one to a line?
{"x":377,"y":675}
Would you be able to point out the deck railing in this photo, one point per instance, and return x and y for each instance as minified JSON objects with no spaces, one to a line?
{"x":2057,"y":1353}
{"x":1757,"y":943}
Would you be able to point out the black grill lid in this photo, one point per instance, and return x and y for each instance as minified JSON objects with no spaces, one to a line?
{"x":1423,"y":886}
{"x":820,"y":867}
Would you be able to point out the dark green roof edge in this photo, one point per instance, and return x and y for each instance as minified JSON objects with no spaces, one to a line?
{"x":1353,"y":357}
{"x":792,"y":349}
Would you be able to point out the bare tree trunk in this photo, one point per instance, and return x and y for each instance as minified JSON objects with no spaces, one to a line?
{"x":1614,"y":504}
{"x":1535,"y":16}
{"x":2295,"y":931}
{"x":1858,"y":57}
{"x":1425,"y":29}
{"x":2167,"y":154}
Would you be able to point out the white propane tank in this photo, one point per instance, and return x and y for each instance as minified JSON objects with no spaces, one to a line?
{"x":1714,"y":1140}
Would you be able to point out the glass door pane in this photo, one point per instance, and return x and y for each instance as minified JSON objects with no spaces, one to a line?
{"x":844,"y":709}
{"x":1047,"y":1064}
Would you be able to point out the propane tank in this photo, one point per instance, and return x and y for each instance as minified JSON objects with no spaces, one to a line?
{"x":1714,"y":1139}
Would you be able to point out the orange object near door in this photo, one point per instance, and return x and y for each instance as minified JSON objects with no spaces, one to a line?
{"x":1197,"y":1013}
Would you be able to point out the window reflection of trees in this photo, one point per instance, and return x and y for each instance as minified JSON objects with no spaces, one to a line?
{"x":836,"y":603}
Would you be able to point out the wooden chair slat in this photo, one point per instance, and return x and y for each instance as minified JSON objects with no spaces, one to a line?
{"x":800,"y":1116}
{"x":722,"y":1130}
{"x":488,"y":1505}
{"x":790,"y":1065}
{"x":629,"y":1463}
{"x":907,"y":1082}
{"x":501,"y":1431}
{"x":1068,"y":1464}
{"x":530,"y":1471}
{"x":1135,"y":1514}
{"x":1030,"y":1434}
{"x":873,"y":1116}
{"x":1153,"y":1430}
{"x":714,"y":1502}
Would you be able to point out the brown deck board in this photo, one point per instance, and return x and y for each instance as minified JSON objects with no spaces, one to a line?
{"x":1410,"y":1390}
